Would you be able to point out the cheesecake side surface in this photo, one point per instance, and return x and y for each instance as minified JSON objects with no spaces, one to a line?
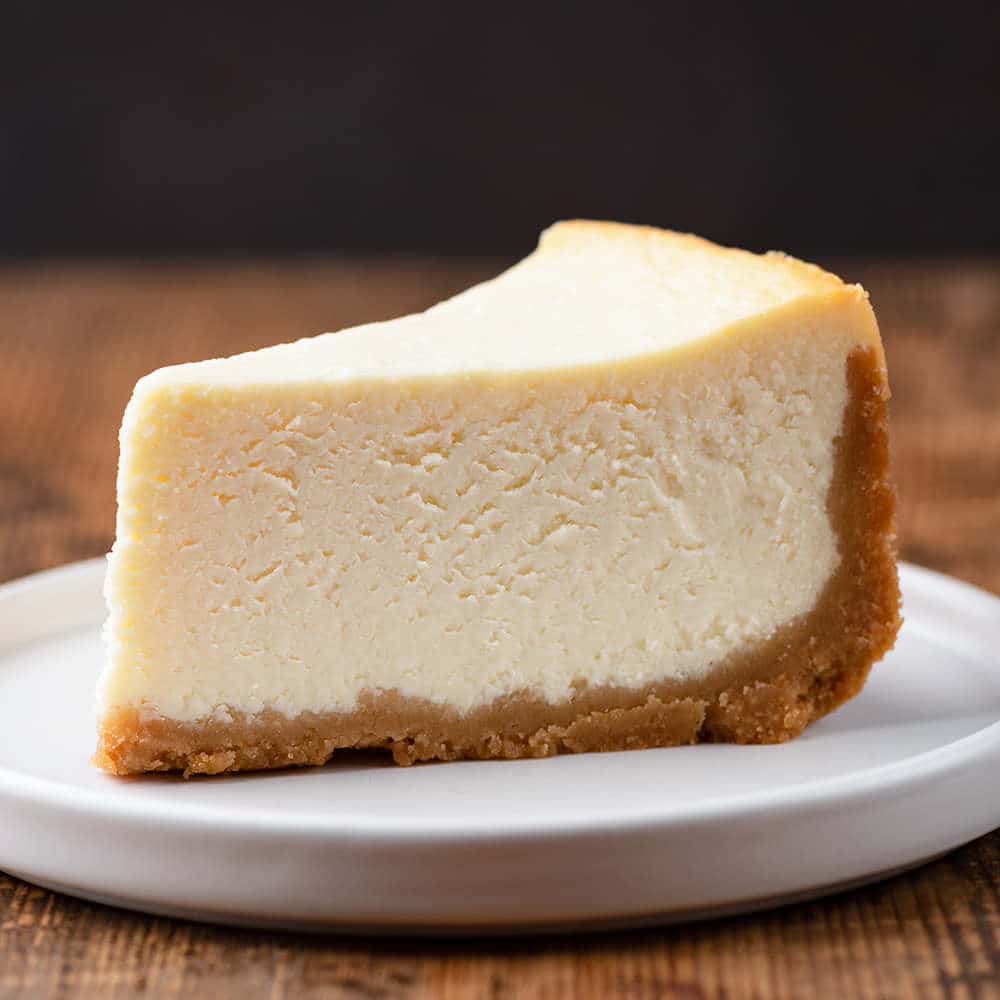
{"x":634,"y":492}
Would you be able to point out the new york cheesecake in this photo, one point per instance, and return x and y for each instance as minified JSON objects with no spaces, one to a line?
{"x":631,"y":493}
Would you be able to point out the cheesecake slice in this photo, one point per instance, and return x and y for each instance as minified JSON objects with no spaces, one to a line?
{"x":631,"y":493}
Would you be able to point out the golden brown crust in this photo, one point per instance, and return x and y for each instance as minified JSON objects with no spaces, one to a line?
{"x":767,"y":694}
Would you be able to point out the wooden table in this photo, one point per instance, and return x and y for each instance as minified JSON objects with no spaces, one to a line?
{"x":73,"y":340}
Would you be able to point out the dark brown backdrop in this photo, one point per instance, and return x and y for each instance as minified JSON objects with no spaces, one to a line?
{"x":447,"y":126}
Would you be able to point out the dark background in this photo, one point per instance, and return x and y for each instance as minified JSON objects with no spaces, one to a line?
{"x":153,"y":129}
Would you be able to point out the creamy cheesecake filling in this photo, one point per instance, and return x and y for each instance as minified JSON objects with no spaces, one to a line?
{"x":298,"y":548}
{"x":591,"y":294}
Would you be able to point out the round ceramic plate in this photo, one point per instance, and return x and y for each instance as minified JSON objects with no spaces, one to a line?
{"x":904,"y":772}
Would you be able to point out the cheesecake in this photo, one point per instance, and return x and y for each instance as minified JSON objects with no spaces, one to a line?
{"x":631,"y":493}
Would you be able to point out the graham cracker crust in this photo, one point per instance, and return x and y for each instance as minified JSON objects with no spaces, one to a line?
{"x":765,"y":694}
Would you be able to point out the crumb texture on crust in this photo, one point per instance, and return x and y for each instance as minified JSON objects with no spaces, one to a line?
{"x":765,"y":694}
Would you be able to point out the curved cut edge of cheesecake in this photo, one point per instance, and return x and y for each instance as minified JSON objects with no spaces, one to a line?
{"x":765,"y":694}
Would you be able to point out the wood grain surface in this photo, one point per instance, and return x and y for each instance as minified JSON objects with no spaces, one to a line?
{"x":73,"y":340}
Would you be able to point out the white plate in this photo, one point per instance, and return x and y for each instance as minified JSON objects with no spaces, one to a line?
{"x":901,"y":774}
